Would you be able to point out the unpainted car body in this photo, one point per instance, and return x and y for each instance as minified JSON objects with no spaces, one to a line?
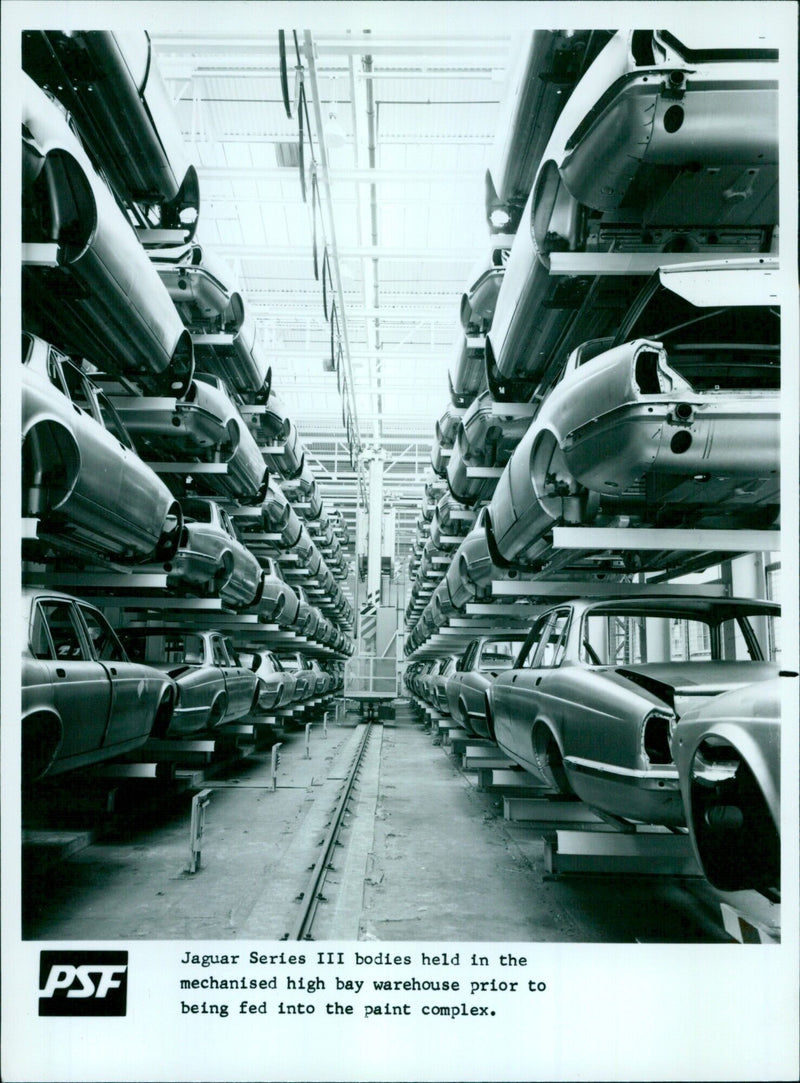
{"x":81,"y":476}
{"x":679,"y":430}
{"x":687,"y":151}
{"x":276,"y":688}
{"x":728,"y":757}
{"x":446,"y":429}
{"x":238,"y":357}
{"x":278,"y":601}
{"x":214,"y":688}
{"x":201,"y":287}
{"x":211,"y":559}
{"x":303,"y":493}
{"x":482,"y":439}
{"x":112,"y":85}
{"x":83,"y":699}
{"x":483,"y":659}
{"x":102,"y":299}
{"x":296,"y":662}
{"x":547,"y":68}
{"x":437,"y":685}
{"x":205,"y":424}
{"x":599,"y":687}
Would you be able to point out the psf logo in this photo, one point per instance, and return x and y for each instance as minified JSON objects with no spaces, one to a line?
{"x":83,"y":982}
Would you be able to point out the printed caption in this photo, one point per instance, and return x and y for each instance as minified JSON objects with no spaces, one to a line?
{"x":364,"y":985}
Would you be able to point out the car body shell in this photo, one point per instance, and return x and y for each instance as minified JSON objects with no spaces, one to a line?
{"x":201,"y":287}
{"x":113,"y":87}
{"x":207,"y":425}
{"x":211,"y":559}
{"x":482,"y":439}
{"x":476,"y":669}
{"x":547,"y":68}
{"x":728,"y":757}
{"x":277,"y":428}
{"x":602,"y":730}
{"x":642,"y":110}
{"x":102,"y":299}
{"x":81,"y":476}
{"x":296,"y":662}
{"x":445,"y":433}
{"x":437,"y":685}
{"x":323,"y":682}
{"x":279,"y":517}
{"x":214,"y":687}
{"x":83,"y":700}
{"x":278,"y":601}
{"x":302,"y":491}
{"x":276,"y":689}
{"x":624,"y":433}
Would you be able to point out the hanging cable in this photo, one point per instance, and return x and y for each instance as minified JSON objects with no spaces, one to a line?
{"x":284,"y":73}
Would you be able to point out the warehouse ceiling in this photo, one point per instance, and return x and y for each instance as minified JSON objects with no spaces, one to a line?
{"x":396,"y":137}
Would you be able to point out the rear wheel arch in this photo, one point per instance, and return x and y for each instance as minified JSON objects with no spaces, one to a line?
{"x":548,"y":756}
{"x":42,"y":734}
{"x":51,"y":463}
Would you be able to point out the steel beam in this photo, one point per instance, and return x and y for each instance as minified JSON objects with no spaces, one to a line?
{"x":692,"y":540}
{"x":582,"y":589}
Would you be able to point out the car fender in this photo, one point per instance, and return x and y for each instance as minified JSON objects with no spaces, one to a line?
{"x":753,"y":755}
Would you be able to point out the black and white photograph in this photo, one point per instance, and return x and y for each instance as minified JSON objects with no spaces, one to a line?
{"x":399,"y":549}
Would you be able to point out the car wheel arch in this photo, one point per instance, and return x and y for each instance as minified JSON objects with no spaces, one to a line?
{"x":42,"y":735}
{"x":48,"y":448}
{"x":548,"y":754}
{"x":732,"y":824}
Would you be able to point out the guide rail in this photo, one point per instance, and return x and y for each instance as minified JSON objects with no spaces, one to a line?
{"x":312,"y":895}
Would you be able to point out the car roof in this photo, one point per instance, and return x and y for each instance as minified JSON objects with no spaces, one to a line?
{"x":681,"y":606}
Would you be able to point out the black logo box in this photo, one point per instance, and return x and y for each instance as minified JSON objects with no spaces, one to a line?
{"x":92,"y":976}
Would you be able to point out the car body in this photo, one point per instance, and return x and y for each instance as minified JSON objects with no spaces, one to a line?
{"x":426,"y":678}
{"x":276,"y":688}
{"x":422,"y":675}
{"x":482,"y":439}
{"x":679,"y":429}
{"x":205,"y":425}
{"x":278,"y":601}
{"x":296,"y":662}
{"x":238,"y":357}
{"x":446,"y":428}
{"x":201,"y":287}
{"x":323,"y":682}
{"x":211,"y":560}
{"x":277,"y":428}
{"x":599,"y":686}
{"x":83,"y":699}
{"x":81,"y":476}
{"x":547,"y":68}
{"x":728,"y":757}
{"x":665,"y":143}
{"x":303,"y":493}
{"x":687,"y":142}
{"x":483,"y":659}
{"x":112,"y":85}
{"x":100,"y":297}
{"x":214,"y":687}
{"x":279,"y":517}
{"x":308,"y":616}
{"x":437,"y":685}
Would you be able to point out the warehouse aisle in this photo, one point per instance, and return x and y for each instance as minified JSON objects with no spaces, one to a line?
{"x":424,"y":855}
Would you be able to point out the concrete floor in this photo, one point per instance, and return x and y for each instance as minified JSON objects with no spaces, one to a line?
{"x":425,"y":856}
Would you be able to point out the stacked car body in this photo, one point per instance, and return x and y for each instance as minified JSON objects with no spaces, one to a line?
{"x":617,"y":369}
{"x":140,"y":363}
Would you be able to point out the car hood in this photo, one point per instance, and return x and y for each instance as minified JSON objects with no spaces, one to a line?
{"x":683,"y":685}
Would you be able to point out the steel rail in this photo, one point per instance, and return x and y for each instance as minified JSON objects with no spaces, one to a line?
{"x":312,"y":895}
